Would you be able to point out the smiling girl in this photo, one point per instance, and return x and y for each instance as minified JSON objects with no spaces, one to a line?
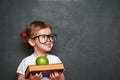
{"x":39,"y":36}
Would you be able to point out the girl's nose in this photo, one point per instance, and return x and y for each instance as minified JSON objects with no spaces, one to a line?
{"x":49,"y":39}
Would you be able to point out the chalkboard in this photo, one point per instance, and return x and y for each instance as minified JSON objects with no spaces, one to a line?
{"x":88,"y":36}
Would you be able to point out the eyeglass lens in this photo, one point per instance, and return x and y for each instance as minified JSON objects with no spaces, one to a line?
{"x":45,"y":38}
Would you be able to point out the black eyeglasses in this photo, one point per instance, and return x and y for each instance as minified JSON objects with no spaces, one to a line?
{"x":44,"y":38}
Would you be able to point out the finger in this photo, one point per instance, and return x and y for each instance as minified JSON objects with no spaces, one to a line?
{"x":40,"y":75}
{"x":55,"y":76}
{"x":37,"y":76}
{"x":31,"y":76}
{"x":52,"y":76}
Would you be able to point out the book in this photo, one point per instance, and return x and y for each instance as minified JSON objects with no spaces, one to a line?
{"x":45,"y":69}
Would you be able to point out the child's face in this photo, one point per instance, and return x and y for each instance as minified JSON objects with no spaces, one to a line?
{"x":43,"y":41}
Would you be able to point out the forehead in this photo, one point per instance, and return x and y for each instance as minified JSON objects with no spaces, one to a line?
{"x":46,"y":31}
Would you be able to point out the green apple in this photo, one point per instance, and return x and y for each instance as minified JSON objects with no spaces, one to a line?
{"x":42,"y":60}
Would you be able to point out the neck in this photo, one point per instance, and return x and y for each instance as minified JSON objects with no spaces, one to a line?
{"x":37,"y":54}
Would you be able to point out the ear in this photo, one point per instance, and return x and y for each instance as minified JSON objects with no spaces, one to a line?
{"x":31,"y":42}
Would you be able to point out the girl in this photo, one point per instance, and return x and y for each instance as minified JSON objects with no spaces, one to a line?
{"x":39,"y":36}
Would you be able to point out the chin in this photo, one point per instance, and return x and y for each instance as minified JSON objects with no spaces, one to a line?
{"x":48,"y":50}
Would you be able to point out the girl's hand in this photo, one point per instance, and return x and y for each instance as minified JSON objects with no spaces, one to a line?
{"x":37,"y":76}
{"x":57,"y":76}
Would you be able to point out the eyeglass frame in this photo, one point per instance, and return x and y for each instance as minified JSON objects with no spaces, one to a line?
{"x":48,"y":37}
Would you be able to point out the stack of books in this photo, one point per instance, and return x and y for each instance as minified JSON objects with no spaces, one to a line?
{"x":45,"y":69}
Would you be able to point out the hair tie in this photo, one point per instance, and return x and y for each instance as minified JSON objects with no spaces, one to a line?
{"x":24,"y":35}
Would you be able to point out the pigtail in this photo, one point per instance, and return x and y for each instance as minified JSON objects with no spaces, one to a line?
{"x":24,"y":37}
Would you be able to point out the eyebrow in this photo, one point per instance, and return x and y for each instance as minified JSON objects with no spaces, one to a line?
{"x":44,"y":34}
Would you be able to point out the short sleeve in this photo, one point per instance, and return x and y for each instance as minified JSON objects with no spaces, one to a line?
{"x":22,"y":67}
